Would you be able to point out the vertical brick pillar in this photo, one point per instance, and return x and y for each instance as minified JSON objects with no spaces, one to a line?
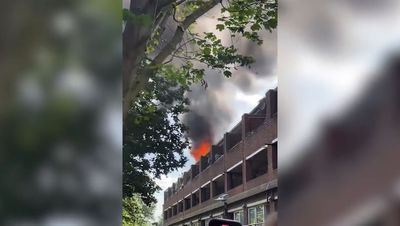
{"x":245,"y":215}
{"x":227,"y":182}
{"x":267,"y":211}
{"x":269,"y":161}
{"x":245,"y":173}
{"x":244,"y":165}
{"x":244,"y":125}
{"x":226,"y":140}
{"x":271,"y":102}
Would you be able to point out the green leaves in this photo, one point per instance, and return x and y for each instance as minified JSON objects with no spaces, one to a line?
{"x":135,"y":212}
{"x":143,"y":19}
{"x":220,"y":27}
{"x":154,"y":137}
{"x":227,"y":74}
{"x":217,"y":56}
{"x":248,"y":17}
{"x":255,"y":27}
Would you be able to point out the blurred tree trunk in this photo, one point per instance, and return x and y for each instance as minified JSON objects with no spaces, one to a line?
{"x":135,"y":38}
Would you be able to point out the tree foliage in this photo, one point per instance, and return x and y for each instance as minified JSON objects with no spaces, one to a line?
{"x":154,"y":138}
{"x":135,"y":212}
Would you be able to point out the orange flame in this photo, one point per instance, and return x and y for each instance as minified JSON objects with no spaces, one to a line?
{"x":200,"y":150}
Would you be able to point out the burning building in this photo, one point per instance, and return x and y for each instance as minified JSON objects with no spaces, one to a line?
{"x":240,"y":170}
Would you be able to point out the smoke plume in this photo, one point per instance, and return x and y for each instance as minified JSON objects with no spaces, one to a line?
{"x":212,"y":110}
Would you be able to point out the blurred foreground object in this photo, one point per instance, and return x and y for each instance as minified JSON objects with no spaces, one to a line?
{"x":339,"y":112}
{"x":350,"y":175}
{"x":60,"y":114}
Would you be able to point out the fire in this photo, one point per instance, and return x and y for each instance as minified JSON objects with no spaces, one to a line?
{"x":201,"y":149}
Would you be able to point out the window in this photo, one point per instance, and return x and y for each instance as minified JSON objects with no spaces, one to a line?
{"x":187,"y":203}
{"x":238,"y":216}
{"x":205,"y":193}
{"x":195,"y":198}
{"x":235,"y":177}
{"x":218,"y":186}
{"x":256,"y":215}
{"x":180,"y":206}
{"x":257,"y":165}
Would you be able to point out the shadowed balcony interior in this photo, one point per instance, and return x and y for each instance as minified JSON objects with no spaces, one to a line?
{"x":235,"y":176}
{"x":205,"y":192}
{"x":234,"y":137}
{"x":275,"y":155}
{"x":257,"y":165}
{"x":180,"y":206}
{"x":218,"y":186}
{"x":218,"y":151}
{"x":195,"y":198}
{"x":187,"y":202}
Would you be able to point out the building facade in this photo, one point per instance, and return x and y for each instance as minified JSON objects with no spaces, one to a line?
{"x":350,"y":173}
{"x":242,"y":167}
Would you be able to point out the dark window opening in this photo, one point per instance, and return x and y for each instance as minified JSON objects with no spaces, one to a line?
{"x":217,"y":151}
{"x":205,"y":193}
{"x":174,"y":210}
{"x":187,"y":202}
{"x":253,"y":122}
{"x":234,"y":137}
{"x":257,"y":165}
{"x":218,"y":186}
{"x":205,"y":161}
{"x":195,"y":198}
{"x":180,"y":207}
{"x":195,"y":170}
{"x":169,"y":212}
{"x":235,"y":177}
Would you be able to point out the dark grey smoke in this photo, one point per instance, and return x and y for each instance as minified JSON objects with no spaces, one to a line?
{"x":200,"y":127}
{"x":211,"y":109}
{"x":208,"y":113}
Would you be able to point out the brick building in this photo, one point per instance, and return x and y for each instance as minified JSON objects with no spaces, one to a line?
{"x":242,"y":165}
{"x":350,"y":174}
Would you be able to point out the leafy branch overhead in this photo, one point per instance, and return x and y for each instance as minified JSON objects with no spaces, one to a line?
{"x":149,"y":44}
{"x":242,"y":18}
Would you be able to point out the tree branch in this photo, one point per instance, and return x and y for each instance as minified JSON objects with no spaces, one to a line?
{"x":199,"y":12}
{"x":180,"y":30}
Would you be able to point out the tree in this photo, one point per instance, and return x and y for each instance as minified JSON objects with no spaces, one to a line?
{"x":154,"y":138}
{"x":135,"y":212}
{"x":145,"y":23}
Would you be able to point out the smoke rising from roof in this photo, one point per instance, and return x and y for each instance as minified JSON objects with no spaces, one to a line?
{"x":211,"y":109}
